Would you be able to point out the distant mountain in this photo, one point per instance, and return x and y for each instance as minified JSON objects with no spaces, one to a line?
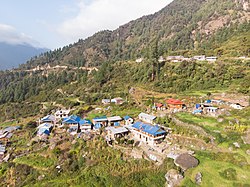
{"x":11,"y":56}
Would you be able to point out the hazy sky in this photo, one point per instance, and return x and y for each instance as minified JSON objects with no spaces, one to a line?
{"x":55,"y":23}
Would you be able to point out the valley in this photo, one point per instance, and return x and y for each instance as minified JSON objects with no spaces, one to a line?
{"x":160,"y":101}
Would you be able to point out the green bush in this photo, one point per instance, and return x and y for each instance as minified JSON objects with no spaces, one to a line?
{"x":229,"y":174}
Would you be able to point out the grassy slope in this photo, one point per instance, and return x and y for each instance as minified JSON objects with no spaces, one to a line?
{"x":211,"y":166}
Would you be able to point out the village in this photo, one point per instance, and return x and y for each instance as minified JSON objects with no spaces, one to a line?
{"x":144,"y":136}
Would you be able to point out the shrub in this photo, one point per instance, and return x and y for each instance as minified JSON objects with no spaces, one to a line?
{"x":229,"y":174}
{"x":31,"y":125}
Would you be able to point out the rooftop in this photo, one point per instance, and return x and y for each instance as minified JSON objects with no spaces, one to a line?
{"x":58,"y":112}
{"x":97,"y":119}
{"x":126,"y":117}
{"x":114,"y":118}
{"x":73,"y":119}
{"x":85,"y":122}
{"x":45,"y":125}
{"x":117,"y":130}
{"x":150,"y":129}
{"x":48,"y":118}
{"x":174,"y":101}
{"x":147,"y":116}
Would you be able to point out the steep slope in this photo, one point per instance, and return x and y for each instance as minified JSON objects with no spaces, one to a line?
{"x":13,"y":55}
{"x":180,"y":28}
{"x":182,"y":25}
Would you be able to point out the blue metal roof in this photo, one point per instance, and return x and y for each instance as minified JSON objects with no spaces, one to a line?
{"x":85,"y":122}
{"x":48,"y":118}
{"x":197,"y":111}
{"x":98,"y":126}
{"x":73,"y":119}
{"x":150,"y":129}
{"x":43,"y":131}
{"x":70,"y":121}
{"x":127,"y":117}
{"x":45,"y":125}
{"x":116,"y":124}
{"x":99,"y":119}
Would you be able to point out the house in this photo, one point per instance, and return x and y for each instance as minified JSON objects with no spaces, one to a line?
{"x":42,"y":132}
{"x":117,"y":100}
{"x":149,"y":134}
{"x":197,"y":106}
{"x":200,"y":58}
{"x":215,"y":101}
{"x":175,"y":104}
{"x":99,"y":122}
{"x":128,"y":120}
{"x":5,"y":136}
{"x":211,"y":109}
{"x":11,"y":129}
{"x":73,"y":123}
{"x":211,"y":59}
{"x":116,"y":132}
{"x":44,"y":129}
{"x":178,"y":58}
{"x":159,"y":106}
{"x":48,"y":126}
{"x":147,"y":118}
{"x":208,"y":101}
{"x":106,"y":101}
{"x":114,"y":121}
{"x":48,"y":119}
{"x":2,"y":150}
{"x":60,"y":114}
{"x":236,"y":106}
{"x":197,"y":111}
{"x":85,"y":125}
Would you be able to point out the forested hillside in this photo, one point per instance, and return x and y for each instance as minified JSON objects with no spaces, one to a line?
{"x":197,"y":26}
{"x":182,"y":28}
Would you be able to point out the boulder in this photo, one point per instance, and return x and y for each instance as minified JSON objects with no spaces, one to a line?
{"x":198,"y":178}
{"x":186,"y":161}
{"x":173,"y":178}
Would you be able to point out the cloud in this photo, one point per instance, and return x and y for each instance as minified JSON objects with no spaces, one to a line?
{"x":99,"y":15}
{"x":10,"y":35}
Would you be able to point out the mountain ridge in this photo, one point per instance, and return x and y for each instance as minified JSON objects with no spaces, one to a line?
{"x":182,"y":25}
{"x":105,"y":62}
{"x":12,"y":55}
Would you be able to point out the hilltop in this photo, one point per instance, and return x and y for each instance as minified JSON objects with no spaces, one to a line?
{"x":183,"y":27}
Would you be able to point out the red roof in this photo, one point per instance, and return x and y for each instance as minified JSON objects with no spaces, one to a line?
{"x":174,"y":102}
{"x":159,"y":105}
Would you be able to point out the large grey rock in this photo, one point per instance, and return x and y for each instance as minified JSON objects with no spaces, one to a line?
{"x":198,"y":178}
{"x":186,"y":161}
{"x":173,"y":178}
